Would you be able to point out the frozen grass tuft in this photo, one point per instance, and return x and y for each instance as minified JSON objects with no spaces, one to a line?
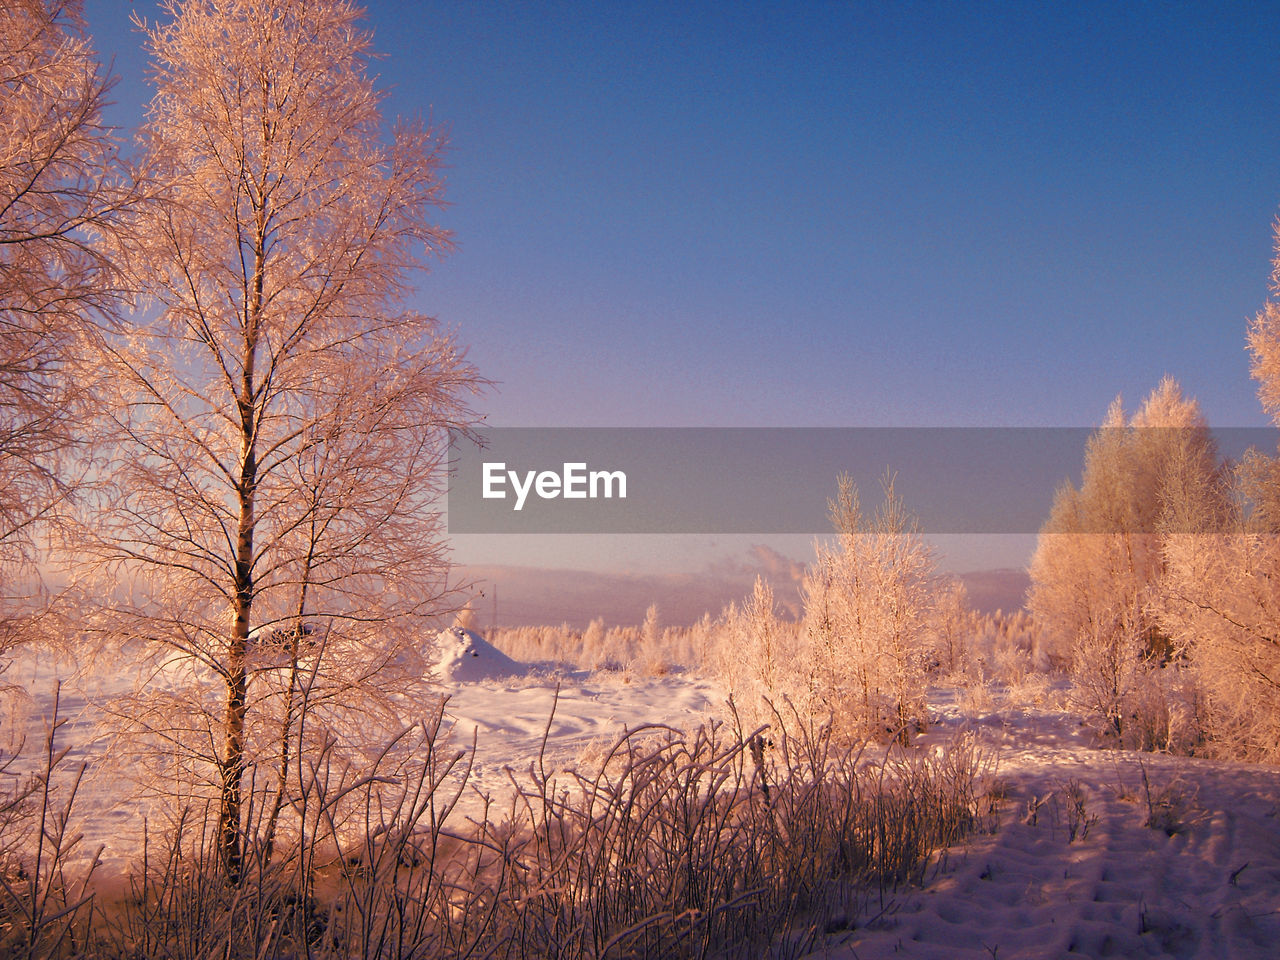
{"x":1169,"y":804}
{"x":45,"y":907}
{"x":716,"y":842}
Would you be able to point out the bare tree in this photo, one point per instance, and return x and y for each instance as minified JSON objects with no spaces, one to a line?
{"x":62,"y":187}
{"x":278,"y":420}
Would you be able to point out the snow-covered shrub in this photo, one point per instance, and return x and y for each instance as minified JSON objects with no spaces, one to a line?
{"x":1105,"y":666}
{"x":592,"y":655}
{"x":653,"y":657}
{"x":976,"y":698}
{"x":557,"y":646}
{"x":1152,"y":719}
{"x":698,"y":645}
{"x":755,"y":655}
{"x":621,"y":644}
{"x":953,"y":624}
{"x":46,"y":903}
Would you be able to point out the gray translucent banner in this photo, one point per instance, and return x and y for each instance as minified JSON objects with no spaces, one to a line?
{"x":753,"y":480}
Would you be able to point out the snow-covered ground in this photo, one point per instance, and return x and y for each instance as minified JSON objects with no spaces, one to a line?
{"x":501,"y":705}
{"x":509,"y":719}
{"x":1203,"y":881}
{"x":519,"y":715}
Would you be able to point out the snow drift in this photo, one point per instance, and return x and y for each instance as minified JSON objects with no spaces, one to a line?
{"x":465,"y":657}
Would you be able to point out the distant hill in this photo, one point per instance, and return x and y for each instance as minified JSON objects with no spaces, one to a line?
{"x":533,"y":595}
{"x":530,"y":595}
{"x":991,"y":590}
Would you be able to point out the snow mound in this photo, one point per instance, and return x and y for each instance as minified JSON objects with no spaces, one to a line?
{"x":465,"y":657}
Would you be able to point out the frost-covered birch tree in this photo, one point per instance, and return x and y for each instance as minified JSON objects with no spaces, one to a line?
{"x":277,"y":417}
{"x":62,"y":188}
{"x":1096,"y":572}
{"x":755,"y":658}
{"x":1221,"y":596}
{"x":1220,"y":604}
{"x":867,"y":601}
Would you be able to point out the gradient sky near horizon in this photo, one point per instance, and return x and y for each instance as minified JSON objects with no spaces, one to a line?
{"x":837,"y":214}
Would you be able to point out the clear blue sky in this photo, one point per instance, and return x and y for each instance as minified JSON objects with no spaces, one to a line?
{"x":840,"y":213}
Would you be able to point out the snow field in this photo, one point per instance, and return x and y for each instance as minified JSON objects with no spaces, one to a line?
{"x":1092,"y":853}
